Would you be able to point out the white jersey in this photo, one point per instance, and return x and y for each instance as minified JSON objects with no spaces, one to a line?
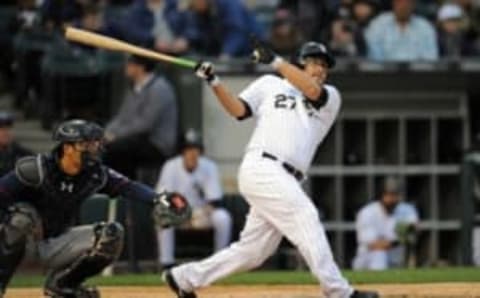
{"x":373,"y":223}
{"x":199,"y":186}
{"x":288,"y":126}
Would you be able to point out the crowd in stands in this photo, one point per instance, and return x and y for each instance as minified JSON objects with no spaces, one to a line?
{"x":383,"y":30}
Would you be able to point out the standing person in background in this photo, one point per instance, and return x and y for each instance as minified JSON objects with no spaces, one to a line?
{"x":10,"y":150}
{"x":400,"y":35}
{"x":294,"y":114}
{"x":196,"y":177}
{"x":145,"y":129}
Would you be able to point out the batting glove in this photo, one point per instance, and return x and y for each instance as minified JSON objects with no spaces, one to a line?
{"x":263,"y":54}
{"x":204,"y":70}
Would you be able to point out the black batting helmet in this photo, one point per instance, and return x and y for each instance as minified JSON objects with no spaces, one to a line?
{"x":314,"y":49}
{"x":77,"y":130}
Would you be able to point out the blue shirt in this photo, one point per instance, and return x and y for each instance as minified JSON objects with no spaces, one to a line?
{"x":387,"y":41}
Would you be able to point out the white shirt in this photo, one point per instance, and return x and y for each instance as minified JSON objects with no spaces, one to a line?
{"x":199,"y":187}
{"x":374,"y":223}
{"x":288,"y":126}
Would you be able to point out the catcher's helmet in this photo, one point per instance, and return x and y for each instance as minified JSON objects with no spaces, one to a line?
{"x":77,"y":130}
{"x":314,"y":49}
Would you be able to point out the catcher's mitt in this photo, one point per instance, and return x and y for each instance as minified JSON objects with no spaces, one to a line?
{"x":171,"y":209}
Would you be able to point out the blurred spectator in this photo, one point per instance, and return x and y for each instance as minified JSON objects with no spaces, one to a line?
{"x":144,"y":131}
{"x":195,"y":177}
{"x":284,"y":36}
{"x":471,"y":9}
{"x":219,"y":27}
{"x":10,"y":150}
{"x":363,"y":12}
{"x":311,"y":17}
{"x":152,"y":23}
{"x":452,"y":36}
{"x":385,"y":228}
{"x":56,"y":13}
{"x":27,"y":16}
{"x":342,"y":40}
{"x":93,"y":19}
{"x":401,"y":36}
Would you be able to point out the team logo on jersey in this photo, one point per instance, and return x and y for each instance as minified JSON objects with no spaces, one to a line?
{"x":64,"y":186}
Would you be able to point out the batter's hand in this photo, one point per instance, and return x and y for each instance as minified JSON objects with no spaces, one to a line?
{"x":204,"y":70}
{"x":262,"y":53}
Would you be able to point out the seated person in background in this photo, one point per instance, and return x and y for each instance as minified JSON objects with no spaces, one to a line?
{"x":144,"y":131}
{"x":196,"y":177}
{"x":152,"y":23}
{"x":10,"y":150}
{"x":219,"y":27}
{"x":384,"y":229}
{"x":400,"y":35}
{"x":285,"y":37}
{"x":56,"y":13}
{"x":92,"y":19}
{"x":452,"y":32}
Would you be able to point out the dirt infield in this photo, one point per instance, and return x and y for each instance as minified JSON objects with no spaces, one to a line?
{"x":437,"y":290}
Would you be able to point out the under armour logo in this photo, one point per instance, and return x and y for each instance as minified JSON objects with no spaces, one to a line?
{"x":66,"y":186}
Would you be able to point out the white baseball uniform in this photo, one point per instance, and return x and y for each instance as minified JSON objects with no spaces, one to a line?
{"x":290,"y":128}
{"x":199,"y":187}
{"x":374,"y":223}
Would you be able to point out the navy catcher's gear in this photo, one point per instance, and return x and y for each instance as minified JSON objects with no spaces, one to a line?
{"x":29,"y":170}
{"x":66,"y":282}
{"x":18,"y":221}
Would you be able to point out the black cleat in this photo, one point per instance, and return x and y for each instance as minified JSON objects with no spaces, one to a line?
{"x":364,"y":294}
{"x":80,"y":292}
{"x":172,"y":284}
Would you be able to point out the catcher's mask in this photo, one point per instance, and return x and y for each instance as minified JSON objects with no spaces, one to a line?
{"x":85,"y":137}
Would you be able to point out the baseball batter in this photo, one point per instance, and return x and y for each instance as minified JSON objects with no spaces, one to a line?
{"x":293,"y":115}
{"x":196,"y":178}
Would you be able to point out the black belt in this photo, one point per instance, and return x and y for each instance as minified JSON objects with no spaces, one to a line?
{"x":288,"y":167}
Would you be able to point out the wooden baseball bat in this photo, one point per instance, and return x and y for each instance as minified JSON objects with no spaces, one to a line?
{"x":109,"y":43}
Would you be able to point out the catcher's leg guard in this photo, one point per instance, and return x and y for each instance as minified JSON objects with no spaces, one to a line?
{"x":66,"y":282}
{"x":17,"y":223}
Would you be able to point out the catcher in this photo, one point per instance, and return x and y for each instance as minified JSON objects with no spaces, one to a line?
{"x":41,"y":199}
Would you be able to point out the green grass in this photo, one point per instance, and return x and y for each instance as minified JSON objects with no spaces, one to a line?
{"x":287,"y":277}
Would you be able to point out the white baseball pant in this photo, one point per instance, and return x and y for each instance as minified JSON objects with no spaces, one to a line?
{"x":279,"y":207}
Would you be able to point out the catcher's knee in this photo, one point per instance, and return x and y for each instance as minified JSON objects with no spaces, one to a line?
{"x":109,"y":239}
{"x":19,"y":221}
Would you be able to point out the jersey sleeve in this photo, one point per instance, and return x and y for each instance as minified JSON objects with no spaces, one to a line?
{"x":365,"y":227}
{"x":254,"y":94}
{"x":166,"y":179}
{"x":119,"y":185}
{"x":212,"y":187}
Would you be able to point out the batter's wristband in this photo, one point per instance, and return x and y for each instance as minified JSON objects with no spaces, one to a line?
{"x":276,"y":62}
{"x":213,"y":80}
